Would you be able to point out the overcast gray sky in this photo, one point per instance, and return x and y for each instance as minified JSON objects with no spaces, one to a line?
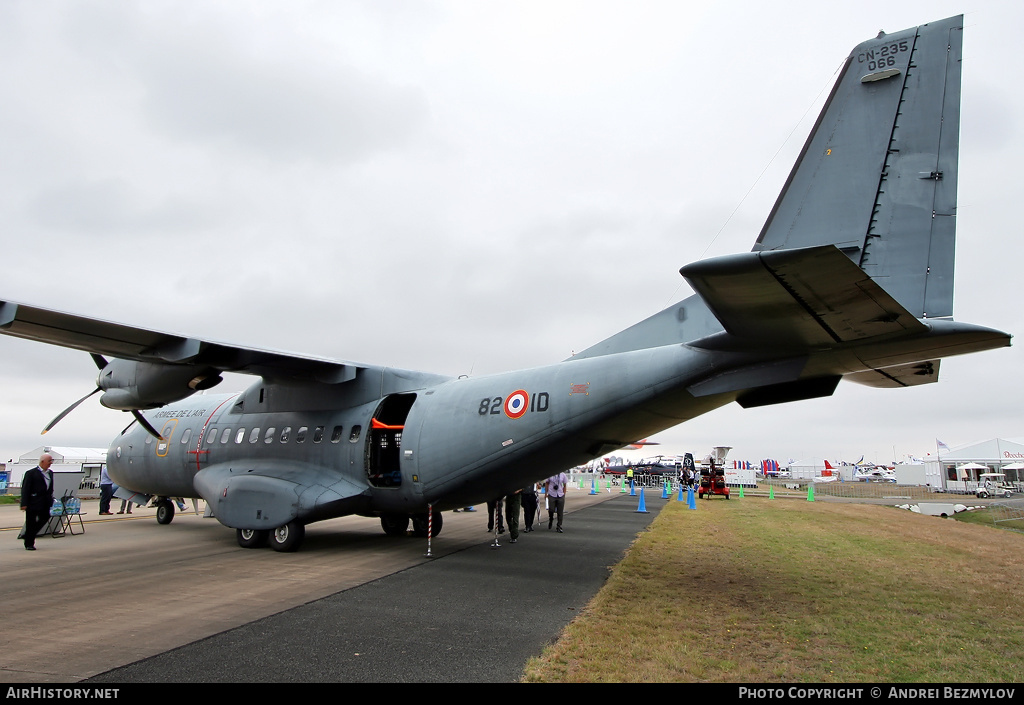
{"x":459,"y":187}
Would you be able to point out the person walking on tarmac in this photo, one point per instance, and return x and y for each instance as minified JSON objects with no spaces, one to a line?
{"x":554,"y":486}
{"x":494,"y":512}
{"x":106,"y":491}
{"x":36,"y":499}
{"x":529,"y":506}
{"x":513,"y":504}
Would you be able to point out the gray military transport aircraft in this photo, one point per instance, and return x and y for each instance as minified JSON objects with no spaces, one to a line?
{"x":851,"y":277}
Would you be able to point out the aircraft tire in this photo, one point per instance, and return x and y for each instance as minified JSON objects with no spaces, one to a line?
{"x":419,"y":525}
{"x":252,"y":538}
{"x":394,"y":524}
{"x":164,"y":511}
{"x":287,"y":538}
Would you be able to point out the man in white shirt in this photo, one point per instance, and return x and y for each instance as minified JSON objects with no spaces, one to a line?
{"x":554,"y":487}
{"x":106,"y":491}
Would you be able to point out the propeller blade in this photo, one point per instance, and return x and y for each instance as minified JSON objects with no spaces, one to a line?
{"x":68,"y":410}
{"x":145,"y":424}
{"x":99,"y":360}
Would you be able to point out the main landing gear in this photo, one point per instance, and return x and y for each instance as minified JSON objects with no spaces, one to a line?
{"x":285,"y":538}
{"x":398,"y":524}
{"x":252,"y":538}
{"x":394,"y":524}
{"x":289,"y":537}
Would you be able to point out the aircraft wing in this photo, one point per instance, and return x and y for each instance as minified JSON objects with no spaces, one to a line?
{"x":803,"y":297}
{"x":131,"y":343}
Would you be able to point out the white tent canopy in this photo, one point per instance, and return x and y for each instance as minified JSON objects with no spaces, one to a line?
{"x":65,"y":454}
{"x":995,"y":450}
{"x":66,"y":459}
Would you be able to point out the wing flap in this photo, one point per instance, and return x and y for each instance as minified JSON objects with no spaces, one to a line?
{"x":810,"y":296}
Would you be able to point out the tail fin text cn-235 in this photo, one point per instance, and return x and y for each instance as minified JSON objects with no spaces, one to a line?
{"x":851,"y":277}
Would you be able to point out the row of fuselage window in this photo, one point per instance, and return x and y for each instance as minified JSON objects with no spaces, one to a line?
{"x":224,"y":435}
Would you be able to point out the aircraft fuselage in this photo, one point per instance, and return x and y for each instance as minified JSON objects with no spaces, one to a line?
{"x":445,"y":444}
{"x":448,"y":443}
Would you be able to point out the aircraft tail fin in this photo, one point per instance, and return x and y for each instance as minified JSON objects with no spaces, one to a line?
{"x":860,"y":243}
{"x":877,"y":177}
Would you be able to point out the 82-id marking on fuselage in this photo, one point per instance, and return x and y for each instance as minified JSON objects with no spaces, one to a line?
{"x":538,"y":402}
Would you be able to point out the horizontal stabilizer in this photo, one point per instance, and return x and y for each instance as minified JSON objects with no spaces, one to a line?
{"x":810,"y":296}
{"x":899,"y":376}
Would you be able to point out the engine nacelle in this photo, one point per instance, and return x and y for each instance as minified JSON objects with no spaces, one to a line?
{"x":130,"y":385}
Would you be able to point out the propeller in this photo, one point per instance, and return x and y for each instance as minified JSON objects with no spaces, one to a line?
{"x":145,"y":424}
{"x":101,"y":363}
{"x":68,"y":410}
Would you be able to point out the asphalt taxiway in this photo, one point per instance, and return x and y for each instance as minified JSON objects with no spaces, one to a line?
{"x":131,"y":601}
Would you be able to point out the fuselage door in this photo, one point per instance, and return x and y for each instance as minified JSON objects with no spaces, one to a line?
{"x":384,"y":441}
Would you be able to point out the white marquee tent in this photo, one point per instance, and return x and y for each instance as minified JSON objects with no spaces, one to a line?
{"x":994,"y":455}
{"x":87,"y":461}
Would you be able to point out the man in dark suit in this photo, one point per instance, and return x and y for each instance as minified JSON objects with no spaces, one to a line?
{"x":36,"y":498}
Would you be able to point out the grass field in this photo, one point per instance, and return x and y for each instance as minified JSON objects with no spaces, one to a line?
{"x":760,"y":590}
{"x":986,"y":517}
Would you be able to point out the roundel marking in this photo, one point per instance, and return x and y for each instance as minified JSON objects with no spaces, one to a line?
{"x":517,"y":403}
